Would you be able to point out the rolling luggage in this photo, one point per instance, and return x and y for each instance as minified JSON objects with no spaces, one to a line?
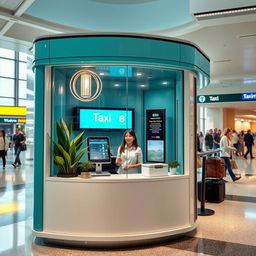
{"x":214,"y":190}
{"x":215,"y":168}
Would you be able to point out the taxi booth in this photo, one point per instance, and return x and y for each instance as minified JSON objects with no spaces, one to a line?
{"x":105,"y":84}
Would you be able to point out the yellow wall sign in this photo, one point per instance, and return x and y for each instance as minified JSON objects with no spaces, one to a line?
{"x":13,"y":111}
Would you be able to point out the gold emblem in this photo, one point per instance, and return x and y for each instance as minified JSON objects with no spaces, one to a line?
{"x":86,"y":77}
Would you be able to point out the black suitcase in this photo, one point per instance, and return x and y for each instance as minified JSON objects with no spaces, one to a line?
{"x":214,"y":190}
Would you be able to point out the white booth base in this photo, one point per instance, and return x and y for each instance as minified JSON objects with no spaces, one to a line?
{"x":116,"y":209}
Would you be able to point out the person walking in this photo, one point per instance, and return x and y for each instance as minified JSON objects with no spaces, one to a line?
{"x":248,"y":139}
{"x":19,"y":142}
{"x":209,"y":140}
{"x":226,"y":152}
{"x":4,"y":145}
{"x":235,"y":140}
{"x":240,"y":149}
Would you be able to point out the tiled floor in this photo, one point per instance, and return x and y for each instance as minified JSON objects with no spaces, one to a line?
{"x":230,"y":231}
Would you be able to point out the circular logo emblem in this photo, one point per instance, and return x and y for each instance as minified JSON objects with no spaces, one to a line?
{"x":202,"y":99}
{"x":86,"y":77}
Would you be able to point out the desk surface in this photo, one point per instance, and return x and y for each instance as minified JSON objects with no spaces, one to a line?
{"x":117,"y":178}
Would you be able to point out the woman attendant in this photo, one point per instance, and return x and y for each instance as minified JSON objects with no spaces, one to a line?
{"x":129,"y":155}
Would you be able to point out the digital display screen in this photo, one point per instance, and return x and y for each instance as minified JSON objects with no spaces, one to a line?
{"x":155,"y":151}
{"x":98,"y":149}
{"x":94,"y":119}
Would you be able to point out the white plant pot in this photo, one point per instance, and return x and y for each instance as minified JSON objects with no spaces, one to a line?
{"x":172,"y":171}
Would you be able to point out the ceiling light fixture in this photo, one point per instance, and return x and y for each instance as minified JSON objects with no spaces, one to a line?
{"x":116,"y":85}
{"x":226,"y":12}
{"x":164,"y":82}
{"x":142,"y":85}
{"x":138,"y":74}
{"x":102,"y":74}
{"x":219,"y":61}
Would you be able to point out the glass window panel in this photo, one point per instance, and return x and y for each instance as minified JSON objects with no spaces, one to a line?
{"x":26,"y":103}
{"x":22,"y":89}
{"x":22,"y":70}
{"x":23,"y":56}
{"x":6,"y":87}
{"x":6,"y":102}
{"x":7,"y":53}
{"x":7,"y":68}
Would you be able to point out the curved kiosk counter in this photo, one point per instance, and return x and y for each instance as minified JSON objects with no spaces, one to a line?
{"x":155,"y":80}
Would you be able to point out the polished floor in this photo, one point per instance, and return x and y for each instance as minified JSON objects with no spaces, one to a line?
{"x":230,"y":231}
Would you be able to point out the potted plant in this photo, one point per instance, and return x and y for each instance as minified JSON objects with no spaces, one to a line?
{"x":85,"y":168}
{"x":66,"y":151}
{"x":173,"y":166}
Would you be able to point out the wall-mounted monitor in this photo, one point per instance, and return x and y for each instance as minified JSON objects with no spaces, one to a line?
{"x":103,"y":118}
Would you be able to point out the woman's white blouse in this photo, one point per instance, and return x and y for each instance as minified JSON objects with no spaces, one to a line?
{"x":4,"y":146}
{"x":130,"y":156}
{"x":225,"y":146}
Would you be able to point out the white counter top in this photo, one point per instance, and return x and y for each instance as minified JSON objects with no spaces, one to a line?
{"x":123,"y":178}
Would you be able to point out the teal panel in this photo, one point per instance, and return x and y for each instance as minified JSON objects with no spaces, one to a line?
{"x":204,"y":64}
{"x":114,"y":46}
{"x":180,"y":121}
{"x":188,"y":54}
{"x":39,"y":150}
{"x":42,"y":50}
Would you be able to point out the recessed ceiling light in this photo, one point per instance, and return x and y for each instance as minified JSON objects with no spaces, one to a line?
{"x":102,"y":73}
{"x":116,"y":85}
{"x":164,"y":82}
{"x":138,"y":74}
{"x":142,"y":85}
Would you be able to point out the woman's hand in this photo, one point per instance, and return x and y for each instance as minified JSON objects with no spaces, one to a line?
{"x":119,"y":160}
{"x":127,"y":167}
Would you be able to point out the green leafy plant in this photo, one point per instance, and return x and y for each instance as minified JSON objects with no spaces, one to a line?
{"x":173,"y":164}
{"x":66,"y":151}
{"x":86,"y":166}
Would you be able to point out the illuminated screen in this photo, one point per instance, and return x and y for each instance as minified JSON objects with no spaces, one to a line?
{"x":98,"y":150}
{"x":97,"y":119}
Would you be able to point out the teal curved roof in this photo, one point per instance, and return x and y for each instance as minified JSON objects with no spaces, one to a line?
{"x":112,"y":48}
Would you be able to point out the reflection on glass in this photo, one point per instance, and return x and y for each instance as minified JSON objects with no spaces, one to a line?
{"x":7,"y":53}
{"x":6,"y":102}
{"x":7,"y":68}
{"x":23,"y":70}
{"x":6,"y":87}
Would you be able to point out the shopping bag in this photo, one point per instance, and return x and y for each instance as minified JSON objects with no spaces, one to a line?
{"x":198,"y":162}
{"x":233,"y":164}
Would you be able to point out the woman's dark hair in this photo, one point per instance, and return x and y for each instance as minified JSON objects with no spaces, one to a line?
{"x":3,"y":132}
{"x":134,"y":144}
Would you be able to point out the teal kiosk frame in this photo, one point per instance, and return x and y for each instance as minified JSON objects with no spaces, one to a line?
{"x":117,"y":210}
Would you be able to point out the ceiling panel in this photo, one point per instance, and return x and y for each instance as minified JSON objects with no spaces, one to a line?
{"x":2,"y":22}
{"x":10,"y":4}
{"x":25,"y":33}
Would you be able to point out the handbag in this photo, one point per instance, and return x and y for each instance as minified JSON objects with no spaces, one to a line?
{"x":23,"y":147}
{"x":233,"y":164}
{"x":198,"y":162}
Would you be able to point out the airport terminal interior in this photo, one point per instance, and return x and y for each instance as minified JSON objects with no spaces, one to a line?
{"x":48,"y":49}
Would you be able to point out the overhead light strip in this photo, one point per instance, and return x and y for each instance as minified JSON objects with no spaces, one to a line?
{"x":226,"y":12}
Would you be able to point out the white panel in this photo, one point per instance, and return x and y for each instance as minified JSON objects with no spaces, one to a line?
{"x":197,"y":6}
{"x":116,"y":208}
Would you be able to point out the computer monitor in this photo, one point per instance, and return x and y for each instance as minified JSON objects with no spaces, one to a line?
{"x":98,"y":151}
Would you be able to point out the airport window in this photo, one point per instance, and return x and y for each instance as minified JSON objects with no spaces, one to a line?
{"x":23,"y":56}
{"x":23,"y":70}
{"x":6,"y":87}
{"x":5,"y":53}
{"x":7,"y":68}
{"x":22,"y":89}
{"x":6,"y":101}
